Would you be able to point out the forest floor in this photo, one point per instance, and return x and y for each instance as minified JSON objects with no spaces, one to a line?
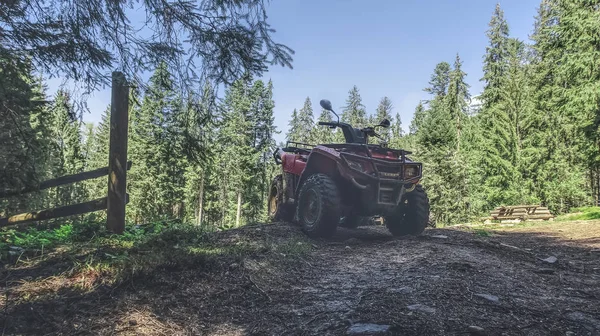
{"x":272,"y":280}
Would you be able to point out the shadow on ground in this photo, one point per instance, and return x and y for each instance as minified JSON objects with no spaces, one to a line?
{"x":281,"y":283}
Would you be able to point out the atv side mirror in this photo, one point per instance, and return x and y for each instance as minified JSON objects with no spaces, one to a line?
{"x":326,"y":104}
{"x":384,"y":123}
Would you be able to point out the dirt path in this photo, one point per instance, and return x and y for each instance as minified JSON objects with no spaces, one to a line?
{"x":438,"y":284}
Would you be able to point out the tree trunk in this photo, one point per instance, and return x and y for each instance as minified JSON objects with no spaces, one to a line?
{"x":239,"y":210}
{"x":200,"y":199}
{"x":597,"y":187}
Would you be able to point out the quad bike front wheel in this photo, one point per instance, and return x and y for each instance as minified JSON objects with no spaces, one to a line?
{"x":410,"y":216}
{"x":319,"y":206}
{"x":278,"y":211}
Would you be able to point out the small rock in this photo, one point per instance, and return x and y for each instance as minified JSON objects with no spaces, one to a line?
{"x":489,"y":297}
{"x":544,"y":271}
{"x":439,"y":236}
{"x":347,"y":247}
{"x":367,"y":329}
{"x":234,"y":265}
{"x":550,"y":259}
{"x":299,"y":243}
{"x":132,"y":322}
{"x":422,"y":308}
{"x":16,"y":249}
{"x":475,"y":330}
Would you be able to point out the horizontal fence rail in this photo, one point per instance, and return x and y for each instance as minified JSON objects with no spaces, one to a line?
{"x":64,"y":211}
{"x":67,"y":179}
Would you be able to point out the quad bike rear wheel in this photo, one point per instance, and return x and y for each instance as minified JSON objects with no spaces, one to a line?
{"x":410,"y":216}
{"x":319,"y":206}
{"x":278,"y":211}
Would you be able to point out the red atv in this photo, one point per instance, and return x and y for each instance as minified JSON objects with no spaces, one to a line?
{"x":326,"y":185}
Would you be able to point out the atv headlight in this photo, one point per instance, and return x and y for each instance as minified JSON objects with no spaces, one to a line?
{"x":411,"y":171}
{"x":356,"y":165}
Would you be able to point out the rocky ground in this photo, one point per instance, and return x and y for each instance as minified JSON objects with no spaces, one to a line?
{"x":527,"y":280}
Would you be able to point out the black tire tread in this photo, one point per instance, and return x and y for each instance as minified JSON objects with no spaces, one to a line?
{"x":416,"y":218}
{"x":283,"y":213}
{"x":331,"y":207}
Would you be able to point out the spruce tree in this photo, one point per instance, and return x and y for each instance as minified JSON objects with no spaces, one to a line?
{"x":354,"y":112}
{"x":66,"y":147}
{"x":201,"y":114}
{"x":418,"y":117}
{"x":440,"y":79}
{"x":324,"y":134}
{"x":444,"y":172}
{"x":155,"y":189}
{"x":25,"y":134}
{"x":496,"y":56}
{"x":384,"y":111}
{"x":559,"y":108}
{"x":305,"y":122}
{"x":294,"y":128}
{"x":503,"y":125}
{"x":457,"y":98}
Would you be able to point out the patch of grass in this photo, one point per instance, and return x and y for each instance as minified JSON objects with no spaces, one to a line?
{"x":482,"y":232}
{"x":583,"y":213}
{"x":294,"y":248}
{"x":96,"y":257}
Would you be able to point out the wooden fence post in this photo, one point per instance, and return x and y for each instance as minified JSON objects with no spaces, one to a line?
{"x":117,"y":155}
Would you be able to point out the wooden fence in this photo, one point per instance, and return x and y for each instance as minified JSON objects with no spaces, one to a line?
{"x":116,"y":170}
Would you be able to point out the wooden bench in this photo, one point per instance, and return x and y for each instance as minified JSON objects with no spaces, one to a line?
{"x":521,"y":213}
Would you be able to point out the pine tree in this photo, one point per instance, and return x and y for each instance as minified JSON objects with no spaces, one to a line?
{"x":201,"y":114}
{"x":440,"y":79}
{"x":565,"y":98}
{"x":305,"y":122}
{"x":66,"y":147}
{"x":495,"y":60}
{"x":23,"y":117}
{"x":354,"y":112}
{"x":502,"y":126}
{"x":294,"y":129}
{"x":384,"y":111}
{"x":418,"y":117}
{"x":156,"y":181}
{"x":324,"y":134}
{"x":456,"y":100}
{"x":437,"y":139}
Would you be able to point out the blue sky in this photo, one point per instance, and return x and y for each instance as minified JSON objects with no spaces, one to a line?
{"x":384,"y":47}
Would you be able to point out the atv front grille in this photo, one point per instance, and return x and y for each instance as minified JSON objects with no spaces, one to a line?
{"x":386,"y":196}
{"x":388,"y":193}
{"x":387,"y":171}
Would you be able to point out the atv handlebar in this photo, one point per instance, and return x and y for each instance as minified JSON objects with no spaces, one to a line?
{"x":330,"y":124}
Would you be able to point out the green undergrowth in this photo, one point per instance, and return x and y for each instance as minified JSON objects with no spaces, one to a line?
{"x":95,"y":256}
{"x":583,"y":213}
